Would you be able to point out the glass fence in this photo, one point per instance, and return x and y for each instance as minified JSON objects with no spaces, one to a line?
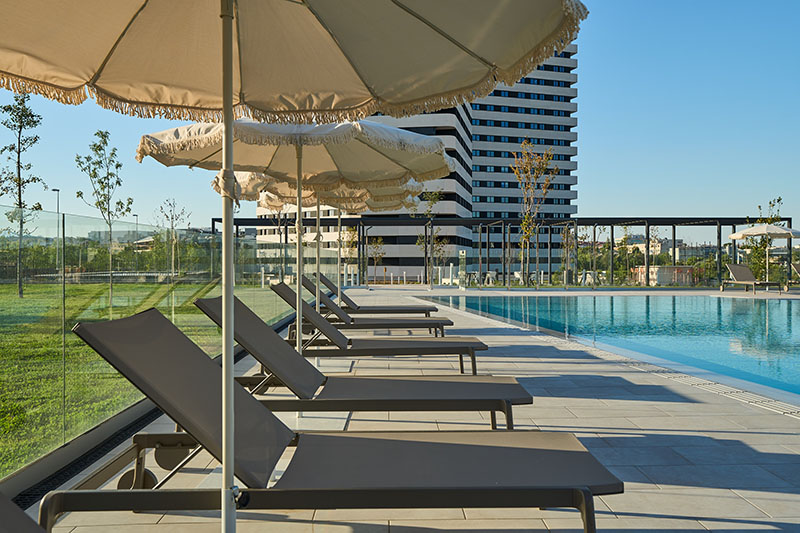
{"x":60,"y":269}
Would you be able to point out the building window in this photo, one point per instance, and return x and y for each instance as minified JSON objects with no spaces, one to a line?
{"x":476,"y":122}
{"x":489,"y":107}
{"x":504,"y":123}
{"x":504,"y":108}
{"x":503,"y":139}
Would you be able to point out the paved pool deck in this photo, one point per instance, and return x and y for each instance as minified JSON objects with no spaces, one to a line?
{"x":694,"y":455}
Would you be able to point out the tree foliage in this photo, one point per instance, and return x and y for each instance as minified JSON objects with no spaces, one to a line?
{"x":103,"y":167}
{"x":535,"y":176}
{"x":14,"y":179}
{"x":758,"y":245}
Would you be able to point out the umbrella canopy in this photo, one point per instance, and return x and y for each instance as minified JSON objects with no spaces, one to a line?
{"x":292,"y":61}
{"x":766,"y":230}
{"x":360,"y":154}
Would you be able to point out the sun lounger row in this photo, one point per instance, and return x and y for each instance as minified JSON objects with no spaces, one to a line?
{"x":350,"y":469}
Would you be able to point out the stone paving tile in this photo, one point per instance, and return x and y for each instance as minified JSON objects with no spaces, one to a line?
{"x":725,"y":526}
{"x":777,"y":503}
{"x":715,"y":476}
{"x":473,"y":526}
{"x":685,"y":503}
{"x":630,"y":525}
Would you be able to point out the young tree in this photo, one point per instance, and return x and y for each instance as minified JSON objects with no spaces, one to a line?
{"x":758,"y":245}
{"x":13,"y":181}
{"x":169,"y":215}
{"x":534,"y":174}
{"x":103,"y":168}
{"x":376,"y":251}
{"x":350,"y":245}
{"x":434,"y":239}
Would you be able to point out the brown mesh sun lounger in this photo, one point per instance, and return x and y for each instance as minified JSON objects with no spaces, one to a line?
{"x":353,"y":308}
{"x":742,"y":275}
{"x":329,"y":470}
{"x":359,"y":393}
{"x":345,"y":321}
{"x":346,"y":347}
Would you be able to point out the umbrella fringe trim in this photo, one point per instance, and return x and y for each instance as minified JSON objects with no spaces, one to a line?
{"x":20,"y":85}
{"x":573,"y":13}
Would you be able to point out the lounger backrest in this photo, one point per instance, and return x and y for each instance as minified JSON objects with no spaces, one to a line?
{"x":329,"y":330}
{"x":340,"y":293}
{"x":796,"y":268}
{"x":267,"y":347}
{"x":14,"y":519}
{"x":327,"y":302}
{"x":186,"y":384}
{"x":741,"y":273}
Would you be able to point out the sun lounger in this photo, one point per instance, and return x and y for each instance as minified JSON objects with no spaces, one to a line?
{"x":361,"y":393}
{"x":742,"y":275}
{"x":345,"y":321}
{"x":330,"y":470}
{"x":346,"y":347}
{"x":14,"y":519}
{"x":353,"y":308}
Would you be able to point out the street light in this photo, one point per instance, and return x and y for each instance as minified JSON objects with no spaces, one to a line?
{"x":136,"y":244}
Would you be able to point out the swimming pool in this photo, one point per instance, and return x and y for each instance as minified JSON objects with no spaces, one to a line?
{"x":744,"y":338}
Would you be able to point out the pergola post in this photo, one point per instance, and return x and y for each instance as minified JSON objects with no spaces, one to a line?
{"x":788,"y":256}
{"x":503,"y":250}
{"x":719,"y":253}
{"x":734,"y":251}
{"x":480,"y":253}
{"x":611,"y":256}
{"x":646,"y":254}
{"x":507,"y":237}
{"x":550,"y":254}
{"x":674,"y":247}
{"x":425,"y":256}
{"x":594,"y":256}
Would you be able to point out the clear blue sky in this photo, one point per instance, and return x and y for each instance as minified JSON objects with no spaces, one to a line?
{"x":685,"y":108}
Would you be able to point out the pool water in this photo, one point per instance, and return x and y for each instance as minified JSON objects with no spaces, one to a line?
{"x":749,"y":339}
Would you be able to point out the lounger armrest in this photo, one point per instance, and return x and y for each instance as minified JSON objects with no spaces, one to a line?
{"x":56,"y":503}
{"x":164,"y":440}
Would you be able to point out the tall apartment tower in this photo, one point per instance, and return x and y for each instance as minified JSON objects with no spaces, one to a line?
{"x":481,"y":138}
{"x":540,"y":108}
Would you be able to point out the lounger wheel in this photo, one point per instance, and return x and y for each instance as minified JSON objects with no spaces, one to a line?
{"x":169,"y":458}
{"x":126,"y":480}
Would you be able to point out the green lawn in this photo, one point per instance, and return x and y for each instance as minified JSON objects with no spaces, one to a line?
{"x":41,"y":405}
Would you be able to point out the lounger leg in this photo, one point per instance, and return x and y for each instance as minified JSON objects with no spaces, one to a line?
{"x":461,"y":362}
{"x":509,"y":415}
{"x":441,"y":332}
{"x":474,"y":366}
{"x":138,"y":470}
{"x":494,"y":419}
{"x":584,"y":502}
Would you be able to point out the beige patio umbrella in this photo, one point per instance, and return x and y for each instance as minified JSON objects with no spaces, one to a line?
{"x":282,"y":61}
{"x":766,"y":230}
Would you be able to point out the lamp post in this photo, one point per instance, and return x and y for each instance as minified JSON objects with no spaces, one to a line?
{"x":136,"y":244}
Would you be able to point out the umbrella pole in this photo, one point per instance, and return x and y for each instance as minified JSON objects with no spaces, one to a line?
{"x":318,"y":255}
{"x":339,"y":252}
{"x":228,"y":521}
{"x":316,"y":296}
{"x":298,"y":224}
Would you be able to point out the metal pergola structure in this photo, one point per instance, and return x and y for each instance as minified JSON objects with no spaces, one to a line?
{"x":478,"y":223}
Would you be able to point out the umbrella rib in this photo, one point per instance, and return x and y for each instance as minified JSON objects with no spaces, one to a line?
{"x":341,"y":49}
{"x":116,"y":43}
{"x":444,"y":34}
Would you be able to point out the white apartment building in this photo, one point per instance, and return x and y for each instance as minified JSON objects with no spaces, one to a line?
{"x":482,"y":138}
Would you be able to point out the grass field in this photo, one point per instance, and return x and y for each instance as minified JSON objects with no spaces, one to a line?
{"x":49,"y":395}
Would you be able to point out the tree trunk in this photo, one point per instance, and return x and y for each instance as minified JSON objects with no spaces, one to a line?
{"x":19,"y":253}
{"x":110,"y":278}
{"x":538,"y":276}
